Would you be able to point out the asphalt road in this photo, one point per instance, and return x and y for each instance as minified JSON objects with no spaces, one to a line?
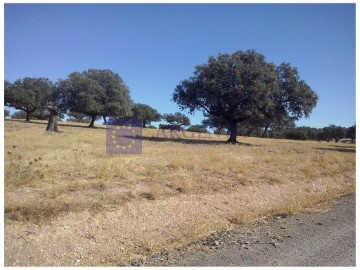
{"x":317,"y":239}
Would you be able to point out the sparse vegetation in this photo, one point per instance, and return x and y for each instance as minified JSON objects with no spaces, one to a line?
{"x":52,"y":176}
{"x":80,"y":165}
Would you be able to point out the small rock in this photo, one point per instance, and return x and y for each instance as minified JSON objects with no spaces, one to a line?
{"x":282,"y":216}
{"x":136,"y":262}
{"x":319,"y":223}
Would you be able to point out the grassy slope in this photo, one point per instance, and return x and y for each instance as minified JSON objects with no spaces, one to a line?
{"x":51,"y":176}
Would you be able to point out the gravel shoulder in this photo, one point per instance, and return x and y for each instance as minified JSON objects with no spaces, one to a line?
{"x":325,"y":238}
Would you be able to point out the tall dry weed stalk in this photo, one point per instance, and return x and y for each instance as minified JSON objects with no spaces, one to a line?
{"x":19,"y":171}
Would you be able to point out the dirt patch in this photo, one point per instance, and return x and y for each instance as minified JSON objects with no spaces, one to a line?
{"x":139,"y":229}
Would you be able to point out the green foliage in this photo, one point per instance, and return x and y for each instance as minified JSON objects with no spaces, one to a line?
{"x":18,"y":115}
{"x":78,"y":117}
{"x":177,"y":119}
{"x":215,"y":122}
{"x":37,"y":115}
{"x":244,"y":87}
{"x":198,"y":129}
{"x":328,"y":133}
{"x":96,"y":92}
{"x":145,"y":113}
{"x":351,"y":132}
{"x":40,"y":115}
{"x":334,"y":132}
{"x":28,"y":94}
{"x":295,"y":134}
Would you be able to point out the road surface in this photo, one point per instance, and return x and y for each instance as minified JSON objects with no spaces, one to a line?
{"x":317,"y":239}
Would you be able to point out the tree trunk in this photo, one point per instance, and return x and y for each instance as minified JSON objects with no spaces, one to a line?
{"x":93,"y":118}
{"x":27,"y":116}
{"x":233,"y":133}
{"x":265,"y":130}
{"x":249,"y":131}
{"x":54,"y":115}
{"x":104,"y":117}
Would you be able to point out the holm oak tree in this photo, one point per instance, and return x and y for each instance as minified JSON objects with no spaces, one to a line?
{"x":145,"y":113}
{"x":28,"y":94}
{"x":243,"y":87}
{"x":96,"y":93}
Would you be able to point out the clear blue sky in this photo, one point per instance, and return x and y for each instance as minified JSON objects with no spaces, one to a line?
{"x":155,"y":46}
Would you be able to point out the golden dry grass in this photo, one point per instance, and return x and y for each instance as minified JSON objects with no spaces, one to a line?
{"x":50,"y":174}
{"x":64,"y":193}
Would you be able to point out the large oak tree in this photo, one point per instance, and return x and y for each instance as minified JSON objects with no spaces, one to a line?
{"x":96,"y":93}
{"x":145,"y":113}
{"x":28,"y":94}
{"x":243,"y":87}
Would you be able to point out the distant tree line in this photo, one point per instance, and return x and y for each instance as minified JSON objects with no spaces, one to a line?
{"x":285,"y":131}
{"x":331,"y":132}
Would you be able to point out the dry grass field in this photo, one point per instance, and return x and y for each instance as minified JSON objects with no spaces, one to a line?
{"x":67,"y":202}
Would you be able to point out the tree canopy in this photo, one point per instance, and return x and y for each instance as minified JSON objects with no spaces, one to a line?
{"x":96,"y":92}
{"x":28,"y":94}
{"x":145,"y":113}
{"x":216,"y":122}
{"x":351,"y":132}
{"x":79,"y":117}
{"x":197,"y":128}
{"x":243,"y":87}
{"x":18,"y":115}
{"x":334,"y":132}
{"x":177,"y":119}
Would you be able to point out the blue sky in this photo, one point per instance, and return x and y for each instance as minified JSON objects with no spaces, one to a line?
{"x":155,"y":46}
